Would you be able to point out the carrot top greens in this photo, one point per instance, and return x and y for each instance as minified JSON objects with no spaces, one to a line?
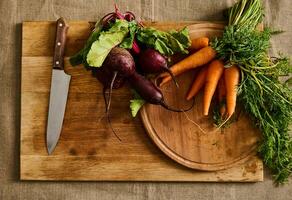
{"x":264,"y":97}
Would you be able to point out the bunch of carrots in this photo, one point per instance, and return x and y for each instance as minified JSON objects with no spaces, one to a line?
{"x":238,"y":66}
{"x":213,"y":74}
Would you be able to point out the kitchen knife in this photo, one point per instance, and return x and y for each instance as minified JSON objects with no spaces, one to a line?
{"x":59,"y":88}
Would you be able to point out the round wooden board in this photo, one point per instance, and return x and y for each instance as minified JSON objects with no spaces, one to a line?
{"x":183,"y":141}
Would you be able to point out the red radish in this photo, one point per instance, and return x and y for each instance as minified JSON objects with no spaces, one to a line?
{"x":151,"y":61}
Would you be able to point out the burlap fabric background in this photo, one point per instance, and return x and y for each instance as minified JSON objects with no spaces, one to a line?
{"x":14,"y":12}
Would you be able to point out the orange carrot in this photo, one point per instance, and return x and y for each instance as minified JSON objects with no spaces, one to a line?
{"x":231,"y":77}
{"x":214,"y":72}
{"x":198,"y":83}
{"x":199,"y":58}
{"x":196,"y":44}
{"x":199,"y":43}
{"x":222,"y":96}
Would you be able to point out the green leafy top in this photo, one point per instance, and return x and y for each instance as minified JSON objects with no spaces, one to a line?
{"x":167,"y":43}
{"x":238,"y":46}
{"x":246,"y":14}
{"x":128,"y":41}
{"x":264,"y":97}
{"x":80,"y":56}
{"x":106,"y":41}
{"x":136,"y":103}
{"x":122,"y":33}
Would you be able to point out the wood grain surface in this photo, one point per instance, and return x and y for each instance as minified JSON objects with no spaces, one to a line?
{"x":87,"y":149}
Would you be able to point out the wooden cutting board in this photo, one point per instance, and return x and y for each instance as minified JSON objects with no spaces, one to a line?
{"x":87,"y":149}
{"x":191,"y":138}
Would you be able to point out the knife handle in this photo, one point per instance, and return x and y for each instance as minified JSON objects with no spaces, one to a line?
{"x":60,"y":42}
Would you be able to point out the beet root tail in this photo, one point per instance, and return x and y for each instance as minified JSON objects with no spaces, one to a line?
{"x":163,"y":104}
{"x":172,"y":76}
{"x":108,"y":103}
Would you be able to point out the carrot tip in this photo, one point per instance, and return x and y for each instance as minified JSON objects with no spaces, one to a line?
{"x":189,"y":98}
{"x":164,"y":80}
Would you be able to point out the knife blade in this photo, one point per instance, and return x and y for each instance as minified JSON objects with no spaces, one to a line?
{"x":60,"y":82}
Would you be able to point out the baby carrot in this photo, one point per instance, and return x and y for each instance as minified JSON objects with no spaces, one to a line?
{"x":198,"y":83}
{"x":214,"y":72}
{"x":231,"y":77}
{"x":199,"y":43}
{"x":199,"y":58}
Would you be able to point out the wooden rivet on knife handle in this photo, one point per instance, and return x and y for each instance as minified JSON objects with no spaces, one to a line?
{"x":60,"y":42}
